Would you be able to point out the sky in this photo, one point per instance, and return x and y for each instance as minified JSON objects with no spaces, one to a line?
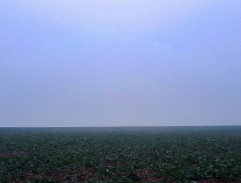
{"x":87,"y":63}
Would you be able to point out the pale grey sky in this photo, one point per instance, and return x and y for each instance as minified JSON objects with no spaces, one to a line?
{"x":120,"y":62}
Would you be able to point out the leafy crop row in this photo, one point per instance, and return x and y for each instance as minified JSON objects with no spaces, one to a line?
{"x":119,"y":156}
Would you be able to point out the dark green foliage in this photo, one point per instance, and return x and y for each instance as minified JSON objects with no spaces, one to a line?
{"x":120,"y":155}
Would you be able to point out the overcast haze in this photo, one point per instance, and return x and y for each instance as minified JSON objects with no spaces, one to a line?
{"x":120,"y":62}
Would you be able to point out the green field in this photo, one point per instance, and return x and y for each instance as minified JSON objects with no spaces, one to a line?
{"x":133,"y":154}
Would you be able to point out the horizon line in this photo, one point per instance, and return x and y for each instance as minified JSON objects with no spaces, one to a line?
{"x":119,"y":126}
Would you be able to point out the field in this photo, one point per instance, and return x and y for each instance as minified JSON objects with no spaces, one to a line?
{"x":134,"y":154}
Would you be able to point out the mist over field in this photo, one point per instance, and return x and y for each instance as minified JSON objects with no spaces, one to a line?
{"x":120,"y":63}
{"x":120,"y":91}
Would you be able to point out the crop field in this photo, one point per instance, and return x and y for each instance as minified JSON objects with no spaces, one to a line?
{"x":133,"y":154}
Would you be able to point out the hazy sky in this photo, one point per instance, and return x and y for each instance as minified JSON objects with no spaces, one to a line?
{"x":120,"y":62}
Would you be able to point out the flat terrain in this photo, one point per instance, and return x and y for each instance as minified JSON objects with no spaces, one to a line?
{"x":133,"y":154}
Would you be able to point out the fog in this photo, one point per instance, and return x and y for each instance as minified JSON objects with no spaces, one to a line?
{"x":97,"y":63}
